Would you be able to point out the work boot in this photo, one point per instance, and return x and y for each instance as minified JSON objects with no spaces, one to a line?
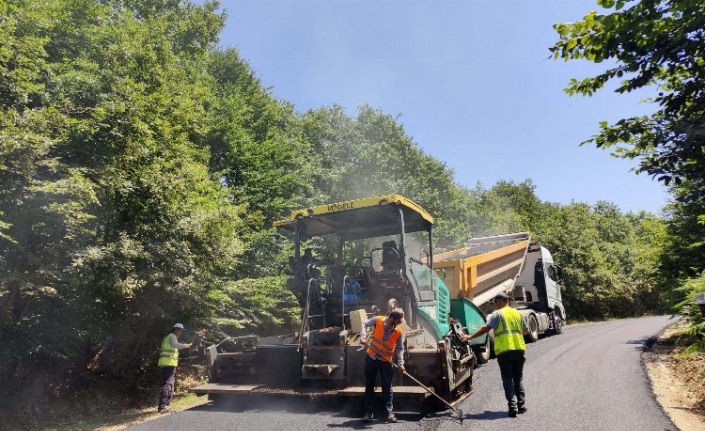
{"x":522,"y":410}
{"x":367,"y":417}
{"x":512,"y":413}
{"x":391,"y":418}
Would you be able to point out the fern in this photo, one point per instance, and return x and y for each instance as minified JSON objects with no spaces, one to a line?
{"x":697,"y":333}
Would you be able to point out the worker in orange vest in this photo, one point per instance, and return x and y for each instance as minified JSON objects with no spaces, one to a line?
{"x":384,"y":345}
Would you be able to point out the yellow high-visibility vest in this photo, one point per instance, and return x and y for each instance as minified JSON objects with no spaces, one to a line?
{"x":509,"y":334}
{"x":168,"y":356}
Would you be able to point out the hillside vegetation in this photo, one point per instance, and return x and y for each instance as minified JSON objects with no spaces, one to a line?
{"x":142,"y":166}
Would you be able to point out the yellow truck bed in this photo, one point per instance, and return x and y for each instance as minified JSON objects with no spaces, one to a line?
{"x":484,"y":267}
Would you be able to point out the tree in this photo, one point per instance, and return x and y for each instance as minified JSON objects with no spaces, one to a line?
{"x":683,"y":254}
{"x":609,"y":258}
{"x":372,"y":155}
{"x":506,"y":207}
{"x":112,"y":223}
{"x":256,"y":149}
{"x":652,"y":43}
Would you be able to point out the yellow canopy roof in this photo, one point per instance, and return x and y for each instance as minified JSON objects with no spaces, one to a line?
{"x":359,"y":218}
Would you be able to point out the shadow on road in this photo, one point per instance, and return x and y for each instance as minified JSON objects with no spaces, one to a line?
{"x":644,"y":343}
{"x":351,"y":408}
{"x":242,"y":403}
{"x":488,"y":415}
{"x":358,"y":424}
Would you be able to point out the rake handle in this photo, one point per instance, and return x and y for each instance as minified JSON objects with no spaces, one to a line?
{"x":415,"y":380}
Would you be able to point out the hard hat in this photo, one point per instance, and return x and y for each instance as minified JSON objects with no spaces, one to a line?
{"x":700,"y":299}
{"x":502,"y":295}
{"x":178,"y":326}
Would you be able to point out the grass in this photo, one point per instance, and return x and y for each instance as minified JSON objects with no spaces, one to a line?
{"x":105,"y":407}
{"x":113,"y":421}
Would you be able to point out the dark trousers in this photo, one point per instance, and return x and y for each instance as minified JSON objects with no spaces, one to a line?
{"x":386,"y":372}
{"x":166,"y":392}
{"x":511,"y":366}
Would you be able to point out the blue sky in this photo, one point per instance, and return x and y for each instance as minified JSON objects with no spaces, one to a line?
{"x":471,"y":82}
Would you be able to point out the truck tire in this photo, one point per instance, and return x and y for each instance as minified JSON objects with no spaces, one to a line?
{"x":557,"y":323}
{"x":484,"y":357}
{"x":533,"y":334}
{"x":492,"y":355}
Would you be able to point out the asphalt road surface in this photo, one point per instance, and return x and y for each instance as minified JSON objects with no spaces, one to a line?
{"x":588,"y":378}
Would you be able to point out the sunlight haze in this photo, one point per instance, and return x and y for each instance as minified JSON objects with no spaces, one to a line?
{"x":471,"y":82}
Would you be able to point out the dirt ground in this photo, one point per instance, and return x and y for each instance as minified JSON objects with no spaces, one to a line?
{"x":678,"y":382}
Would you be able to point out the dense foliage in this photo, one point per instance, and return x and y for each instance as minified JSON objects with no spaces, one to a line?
{"x":655,"y":44}
{"x":142,"y":166}
{"x":652,"y":43}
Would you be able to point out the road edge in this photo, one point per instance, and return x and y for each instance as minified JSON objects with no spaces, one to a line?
{"x":680,"y":418}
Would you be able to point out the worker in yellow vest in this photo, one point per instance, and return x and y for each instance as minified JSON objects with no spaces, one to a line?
{"x":383,"y":346}
{"x":168,"y":361}
{"x":509,"y":329}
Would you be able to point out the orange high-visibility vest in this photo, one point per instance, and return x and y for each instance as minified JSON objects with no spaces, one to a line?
{"x":383,"y":348}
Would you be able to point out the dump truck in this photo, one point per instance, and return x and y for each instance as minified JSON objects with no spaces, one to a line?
{"x":510,"y":264}
{"x":350,"y":260}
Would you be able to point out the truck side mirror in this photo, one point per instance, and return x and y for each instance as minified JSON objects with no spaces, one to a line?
{"x":559,"y":274}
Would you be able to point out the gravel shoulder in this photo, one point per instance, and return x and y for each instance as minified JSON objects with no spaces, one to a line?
{"x":678,"y":382}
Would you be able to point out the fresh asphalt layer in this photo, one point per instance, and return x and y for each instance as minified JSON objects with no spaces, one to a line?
{"x":588,"y":378}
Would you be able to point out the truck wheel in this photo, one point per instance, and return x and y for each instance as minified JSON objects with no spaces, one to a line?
{"x":533,"y":334}
{"x":491,"y":337}
{"x":557,"y":323}
{"x":483,"y":357}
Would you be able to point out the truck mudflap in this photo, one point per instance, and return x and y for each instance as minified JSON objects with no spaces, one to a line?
{"x":351,"y":391}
